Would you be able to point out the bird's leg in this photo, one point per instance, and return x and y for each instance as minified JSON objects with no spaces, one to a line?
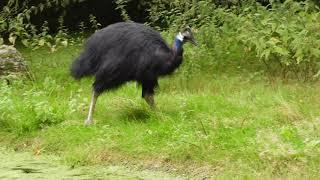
{"x":89,"y":120}
{"x":148,"y":91}
{"x":150,"y":100}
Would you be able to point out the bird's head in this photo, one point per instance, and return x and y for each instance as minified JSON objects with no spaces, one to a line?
{"x":188,"y":36}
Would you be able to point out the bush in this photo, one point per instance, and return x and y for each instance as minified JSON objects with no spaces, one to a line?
{"x":16,"y":26}
{"x":283,"y":39}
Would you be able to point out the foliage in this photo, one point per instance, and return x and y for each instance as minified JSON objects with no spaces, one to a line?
{"x":283,"y":39}
{"x":167,"y":13}
{"x":95,"y":24}
{"x":121,"y":5}
{"x":15,"y":24}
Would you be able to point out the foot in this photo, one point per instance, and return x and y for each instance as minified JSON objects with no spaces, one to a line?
{"x":88,"y":122}
{"x":153,"y":106}
{"x":150,"y":100}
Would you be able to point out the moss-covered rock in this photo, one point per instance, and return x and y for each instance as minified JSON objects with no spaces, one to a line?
{"x":11,"y":61}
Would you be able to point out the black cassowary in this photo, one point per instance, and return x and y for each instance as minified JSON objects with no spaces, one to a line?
{"x":128,"y":51}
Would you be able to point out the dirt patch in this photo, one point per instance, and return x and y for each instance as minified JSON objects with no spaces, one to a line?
{"x":18,"y":165}
{"x":187,"y":169}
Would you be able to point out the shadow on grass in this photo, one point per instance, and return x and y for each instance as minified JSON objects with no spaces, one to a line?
{"x":135,"y":114}
{"x":132,"y":111}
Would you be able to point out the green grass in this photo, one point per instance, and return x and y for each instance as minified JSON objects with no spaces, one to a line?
{"x":222,"y":124}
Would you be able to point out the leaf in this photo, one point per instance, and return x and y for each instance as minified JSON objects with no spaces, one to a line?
{"x":49,"y":5}
{"x":53,"y":48}
{"x":41,"y":42}
{"x":41,"y":7}
{"x":6,"y":9}
{"x":266,"y":54}
{"x":274,"y":40}
{"x":315,"y":52}
{"x":57,"y":40}
{"x":64,"y":43}
{"x":281,"y":51}
{"x":12,"y":39}
{"x":1,"y":41}
{"x":28,"y":16}
{"x":25,"y":42}
{"x":317,"y":74}
{"x":299,"y":55}
{"x":314,"y":143}
{"x":49,"y":44}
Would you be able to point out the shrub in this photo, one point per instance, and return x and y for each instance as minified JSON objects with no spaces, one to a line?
{"x":15,"y":24}
{"x":283,"y":38}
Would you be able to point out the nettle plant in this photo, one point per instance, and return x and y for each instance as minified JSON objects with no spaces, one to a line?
{"x":285,"y":38}
{"x":15,"y":25}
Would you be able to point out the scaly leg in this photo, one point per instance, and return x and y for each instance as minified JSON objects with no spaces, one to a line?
{"x":89,"y":120}
{"x":150,"y":100}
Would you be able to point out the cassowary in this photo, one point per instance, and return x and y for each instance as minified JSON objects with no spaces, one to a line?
{"x":128,"y":51}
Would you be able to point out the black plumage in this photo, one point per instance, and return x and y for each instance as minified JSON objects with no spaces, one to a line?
{"x":128,"y":51}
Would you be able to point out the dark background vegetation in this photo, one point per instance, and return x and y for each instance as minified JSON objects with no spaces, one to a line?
{"x":109,"y":11}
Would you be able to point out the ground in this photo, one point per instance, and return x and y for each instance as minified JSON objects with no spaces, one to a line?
{"x":23,"y":165}
{"x":208,"y":124}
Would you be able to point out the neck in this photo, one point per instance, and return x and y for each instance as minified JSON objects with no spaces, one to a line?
{"x":178,"y":43}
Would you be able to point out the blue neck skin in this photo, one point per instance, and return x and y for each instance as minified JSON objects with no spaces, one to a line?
{"x":177,"y":44}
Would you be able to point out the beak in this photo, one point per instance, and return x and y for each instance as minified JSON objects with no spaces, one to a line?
{"x":194,"y":42}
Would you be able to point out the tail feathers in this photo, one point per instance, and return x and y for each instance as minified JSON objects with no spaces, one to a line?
{"x":82,"y":67}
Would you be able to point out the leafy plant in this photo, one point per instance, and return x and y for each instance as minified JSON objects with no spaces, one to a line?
{"x":121,"y":6}
{"x":285,"y":38}
{"x":15,"y":24}
{"x":94,"y":23}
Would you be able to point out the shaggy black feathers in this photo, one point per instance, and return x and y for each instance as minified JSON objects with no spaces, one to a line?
{"x":123,"y":52}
